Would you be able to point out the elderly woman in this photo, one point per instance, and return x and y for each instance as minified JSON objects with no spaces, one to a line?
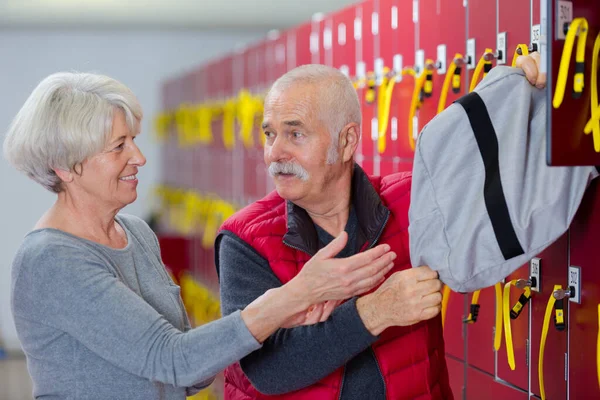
{"x":97,"y":315}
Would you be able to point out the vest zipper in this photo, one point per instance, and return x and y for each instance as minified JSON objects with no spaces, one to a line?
{"x":297,"y":248}
{"x":342,"y":383}
{"x":380,"y":374}
{"x":380,"y":231}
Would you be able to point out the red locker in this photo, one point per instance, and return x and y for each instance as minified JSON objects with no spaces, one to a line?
{"x":480,"y":334}
{"x":276,"y":56}
{"x":365,"y":61}
{"x":302,"y":34}
{"x":483,"y":386}
{"x":343,"y":52}
{"x":456,"y":373}
{"x":397,"y":49}
{"x":553,"y":272}
{"x":317,"y":39}
{"x":516,"y":25}
{"x":453,"y":326}
{"x":481,"y":29}
{"x":583,"y":318}
{"x":568,"y":143}
{"x":441,"y":23}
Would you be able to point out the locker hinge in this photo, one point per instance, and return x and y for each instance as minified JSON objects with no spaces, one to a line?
{"x":527,"y":352}
{"x":566,"y":366}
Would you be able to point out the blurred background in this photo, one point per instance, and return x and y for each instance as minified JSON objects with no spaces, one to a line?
{"x":201,"y":69}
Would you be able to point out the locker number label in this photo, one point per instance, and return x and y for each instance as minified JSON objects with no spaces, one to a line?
{"x":564,"y":15}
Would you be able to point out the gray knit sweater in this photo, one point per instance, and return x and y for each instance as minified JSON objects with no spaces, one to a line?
{"x":100,"y":323}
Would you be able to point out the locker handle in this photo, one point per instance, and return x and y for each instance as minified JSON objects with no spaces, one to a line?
{"x":484,"y":64}
{"x":498,"y":331}
{"x":474,"y":309}
{"x":453,"y":75}
{"x":416,"y":103}
{"x":546,"y":326}
{"x":579,"y":28}
{"x":513,"y":313}
{"x":594,"y":122}
{"x":521,"y":50}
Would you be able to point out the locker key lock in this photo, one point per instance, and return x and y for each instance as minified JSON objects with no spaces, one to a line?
{"x":533,"y":48}
{"x":460,"y":62}
{"x":491,"y":56}
{"x":523,"y":283}
{"x":564,"y":293}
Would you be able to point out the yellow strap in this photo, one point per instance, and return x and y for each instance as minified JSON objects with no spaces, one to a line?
{"x":510,"y":353}
{"x":498,"y":333}
{"x":594,"y":122}
{"x":204,"y":114}
{"x":447,"y":82}
{"x":545,"y":328}
{"x":579,"y":28}
{"x":445,"y":300}
{"x":478,"y":70}
{"x":245,"y":115}
{"x":414,"y":105}
{"x":229,"y":109}
{"x":384,"y":102}
{"x":524,"y":52}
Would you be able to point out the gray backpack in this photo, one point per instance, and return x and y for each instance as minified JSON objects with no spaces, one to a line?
{"x":483,"y":200}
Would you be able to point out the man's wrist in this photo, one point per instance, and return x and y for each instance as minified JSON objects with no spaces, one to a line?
{"x":370,"y":315}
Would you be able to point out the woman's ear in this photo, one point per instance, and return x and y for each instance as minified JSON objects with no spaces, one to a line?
{"x":64,"y":175}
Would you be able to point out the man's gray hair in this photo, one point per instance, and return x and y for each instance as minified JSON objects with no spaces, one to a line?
{"x":67,"y":118}
{"x":337,"y":100}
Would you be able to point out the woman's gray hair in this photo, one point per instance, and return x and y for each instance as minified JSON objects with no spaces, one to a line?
{"x":67,"y":118}
{"x":338,"y":103}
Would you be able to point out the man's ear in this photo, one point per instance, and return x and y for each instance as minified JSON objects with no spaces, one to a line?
{"x":349,"y":139}
{"x":64,"y":175}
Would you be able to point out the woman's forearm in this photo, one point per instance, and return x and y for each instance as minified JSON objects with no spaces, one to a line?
{"x":270,"y":311}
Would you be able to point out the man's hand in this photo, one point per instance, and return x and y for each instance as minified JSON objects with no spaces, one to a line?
{"x":405,"y":298}
{"x":531,"y":66}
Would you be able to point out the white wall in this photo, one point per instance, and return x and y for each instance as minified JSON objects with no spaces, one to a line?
{"x":140,"y":59}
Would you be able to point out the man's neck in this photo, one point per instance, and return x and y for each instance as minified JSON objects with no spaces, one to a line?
{"x":332,"y":214}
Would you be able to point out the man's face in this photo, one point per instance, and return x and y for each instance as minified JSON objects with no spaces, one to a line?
{"x":297,"y":144}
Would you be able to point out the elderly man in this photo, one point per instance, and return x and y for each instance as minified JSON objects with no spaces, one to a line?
{"x":385,"y":344}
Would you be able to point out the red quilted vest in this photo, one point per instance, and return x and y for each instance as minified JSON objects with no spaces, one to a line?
{"x":411,"y":359}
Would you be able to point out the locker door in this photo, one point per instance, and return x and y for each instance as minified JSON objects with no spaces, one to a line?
{"x":483,"y":386}
{"x":303,"y":54}
{"x":397,"y":43}
{"x":440,"y":23}
{"x":583,"y":318}
{"x":554,"y":272}
{"x":569,"y":145}
{"x":520,"y":336}
{"x":481,"y":31}
{"x":514,"y":19}
{"x":343,"y":52}
{"x":365,"y":58}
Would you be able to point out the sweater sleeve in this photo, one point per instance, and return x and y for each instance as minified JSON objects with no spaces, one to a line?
{"x":290,"y":359}
{"x":70,"y":290}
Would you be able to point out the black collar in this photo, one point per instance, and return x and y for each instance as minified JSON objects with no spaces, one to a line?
{"x":371,"y":213}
